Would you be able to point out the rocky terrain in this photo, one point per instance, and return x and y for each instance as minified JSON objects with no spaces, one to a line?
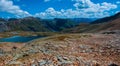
{"x":64,"y":50}
{"x":63,"y":44}
{"x":26,"y":33}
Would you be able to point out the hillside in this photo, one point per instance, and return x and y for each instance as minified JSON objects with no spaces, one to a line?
{"x":104,"y":24}
{"x":36,"y":24}
{"x":107,"y":19}
{"x":26,"y":24}
{"x":63,"y":50}
{"x":74,"y":47}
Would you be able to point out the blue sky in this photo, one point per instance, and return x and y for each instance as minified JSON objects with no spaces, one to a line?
{"x":59,"y":8}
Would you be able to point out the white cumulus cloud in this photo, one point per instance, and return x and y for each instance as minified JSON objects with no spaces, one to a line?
{"x":8,"y":6}
{"x":49,"y":13}
{"x":83,"y":9}
{"x":88,"y":5}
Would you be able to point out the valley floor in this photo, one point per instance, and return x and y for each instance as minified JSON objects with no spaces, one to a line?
{"x":63,"y":50}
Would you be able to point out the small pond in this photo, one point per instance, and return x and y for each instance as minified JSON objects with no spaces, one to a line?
{"x":19,"y":39}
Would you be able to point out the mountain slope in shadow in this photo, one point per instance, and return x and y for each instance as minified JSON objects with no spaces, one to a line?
{"x":104,"y":24}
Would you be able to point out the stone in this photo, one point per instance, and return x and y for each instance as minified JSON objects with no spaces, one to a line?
{"x":113,"y":64}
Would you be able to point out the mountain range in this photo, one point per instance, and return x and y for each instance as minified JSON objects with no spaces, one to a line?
{"x":64,"y":42}
{"x":39,"y":25}
{"x":74,"y":25}
{"x":103,"y":24}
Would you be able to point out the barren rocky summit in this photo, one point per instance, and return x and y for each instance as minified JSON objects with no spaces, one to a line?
{"x":64,"y":50}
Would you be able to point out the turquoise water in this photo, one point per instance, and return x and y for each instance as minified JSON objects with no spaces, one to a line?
{"x":19,"y":39}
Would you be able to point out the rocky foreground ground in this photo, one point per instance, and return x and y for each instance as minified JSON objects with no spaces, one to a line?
{"x":64,"y":50}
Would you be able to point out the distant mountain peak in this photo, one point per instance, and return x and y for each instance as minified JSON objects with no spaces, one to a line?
{"x":107,"y":19}
{"x":111,"y":23}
